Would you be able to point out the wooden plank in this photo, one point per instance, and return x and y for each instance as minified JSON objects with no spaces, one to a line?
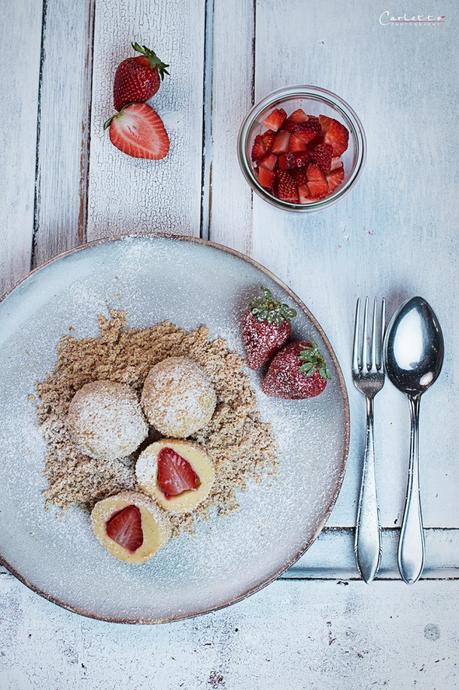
{"x":131,"y":195}
{"x":315,"y":635}
{"x":230,"y":199}
{"x":60,"y":216}
{"x":19,"y":73}
{"x":395,"y":235}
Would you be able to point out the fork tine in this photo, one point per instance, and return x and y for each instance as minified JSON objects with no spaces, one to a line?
{"x":374,"y":340}
{"x":364,"y":355}
{"x":383,"y":331}
{"x":355,"y":349}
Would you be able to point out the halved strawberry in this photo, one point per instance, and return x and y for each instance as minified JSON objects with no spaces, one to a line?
{"x":335,"y":178}
{"x":265,"y":177}
{"x":125,"y":527}
{"x":303,"y":194}
{"x":317,"y":184}
{"x":275,"y":119}
{"x":258,"y":148}
{"x":287,"y":161}
{"x":335,"y":134}
{"x":280,"y":144}
{"x":269,"y":161}
{"x":139,"y":131}
{"x":322,"y":155}
{"x":296,"y":144}
{"x":286,"y":189}
{"x":175,"y":475}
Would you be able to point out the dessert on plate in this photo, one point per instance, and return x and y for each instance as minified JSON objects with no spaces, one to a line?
{"x":149,"y":429}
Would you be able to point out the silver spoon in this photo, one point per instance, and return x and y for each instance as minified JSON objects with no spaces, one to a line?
{"x":414,"y":352}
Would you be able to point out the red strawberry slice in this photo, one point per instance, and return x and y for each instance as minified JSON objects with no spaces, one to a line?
{"x":266,"y":177}
{"x":268,"y":139}
{"x":335,"y":134}
{"x":125,"y":527}
{"x":275,"y":119}
{"x":335,"y":178}
{"x":317,"y":184}
{"x":302,"y":159}
{"x":322,"y":155}
{"x":287,"y":161}
{"x":300,"y":176}
{"x":265,"y":328}
{"x":296,"y":144}
{"x":298,"y":116}
{"x":258,"y":149}
{"x":139,"y":131}
{"x":175,"y":475}
{"x":303,"y":194}
{"x":280,"y":144}
{"x":286,"y":187}
{"x":269,"y":161}
{"x":307,"y":131}
{"x":335,"y":163}
{"x":298,"y":371}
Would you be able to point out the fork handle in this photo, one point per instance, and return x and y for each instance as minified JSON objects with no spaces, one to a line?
{"x":368,"y":532}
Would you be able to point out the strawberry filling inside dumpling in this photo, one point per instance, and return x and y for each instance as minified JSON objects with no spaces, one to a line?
{"x":125,"y":527}
{"x":175,"y":474}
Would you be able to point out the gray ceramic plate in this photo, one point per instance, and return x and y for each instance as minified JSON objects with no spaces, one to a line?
{"x":189,"y":282}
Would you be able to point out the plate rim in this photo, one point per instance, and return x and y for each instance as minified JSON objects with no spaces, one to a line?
{"x":346,"y":440}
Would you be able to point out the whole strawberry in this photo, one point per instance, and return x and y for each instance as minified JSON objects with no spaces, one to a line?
{"x":265,"y":328}
{"x":296,"y":372}
{"x":138,"y":78}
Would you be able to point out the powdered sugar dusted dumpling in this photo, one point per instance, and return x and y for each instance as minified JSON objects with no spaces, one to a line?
{"x":130,"y":526}
{"x":178,"y":397}
{"x":106,"y":421}
{"x":177,"y":474}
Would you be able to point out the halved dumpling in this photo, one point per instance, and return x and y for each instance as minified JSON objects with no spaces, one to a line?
{"x":178,"y":474}
{"x":130,"y":526}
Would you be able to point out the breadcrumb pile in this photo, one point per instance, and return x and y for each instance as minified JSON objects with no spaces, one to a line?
{"x":240,"y":444}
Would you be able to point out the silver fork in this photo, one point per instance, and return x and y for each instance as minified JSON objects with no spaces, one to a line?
{"x":368,"y":377}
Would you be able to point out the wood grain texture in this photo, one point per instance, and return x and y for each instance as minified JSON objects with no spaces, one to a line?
{"x":310,"y":636}
{"x":132,"y":195}
{"x":230,"y":216}
{"x":63,"y":145}
{"x":395,"y":235}
{"x":19,"y":73}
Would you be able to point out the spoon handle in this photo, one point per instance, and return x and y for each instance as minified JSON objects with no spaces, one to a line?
{"x":411,"y":546}
{"x":368,"y":535}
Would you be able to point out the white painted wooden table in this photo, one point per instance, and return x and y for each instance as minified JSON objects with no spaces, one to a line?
{"x":62,"y":183}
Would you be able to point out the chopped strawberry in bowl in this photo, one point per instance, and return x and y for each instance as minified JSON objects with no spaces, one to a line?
{"x":301,"y":148}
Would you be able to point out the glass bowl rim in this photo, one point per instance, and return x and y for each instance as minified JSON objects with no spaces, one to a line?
{"x":315,"y":93}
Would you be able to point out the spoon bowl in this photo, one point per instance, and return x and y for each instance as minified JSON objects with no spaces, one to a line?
{"x":414,"y":347}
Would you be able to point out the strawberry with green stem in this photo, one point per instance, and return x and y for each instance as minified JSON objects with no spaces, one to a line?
{"x":298,"y":371}
{"x":138,"y":78}
{"x":265,"y":328}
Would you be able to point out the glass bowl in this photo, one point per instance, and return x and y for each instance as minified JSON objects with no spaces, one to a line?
{"x":314,"y":101}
